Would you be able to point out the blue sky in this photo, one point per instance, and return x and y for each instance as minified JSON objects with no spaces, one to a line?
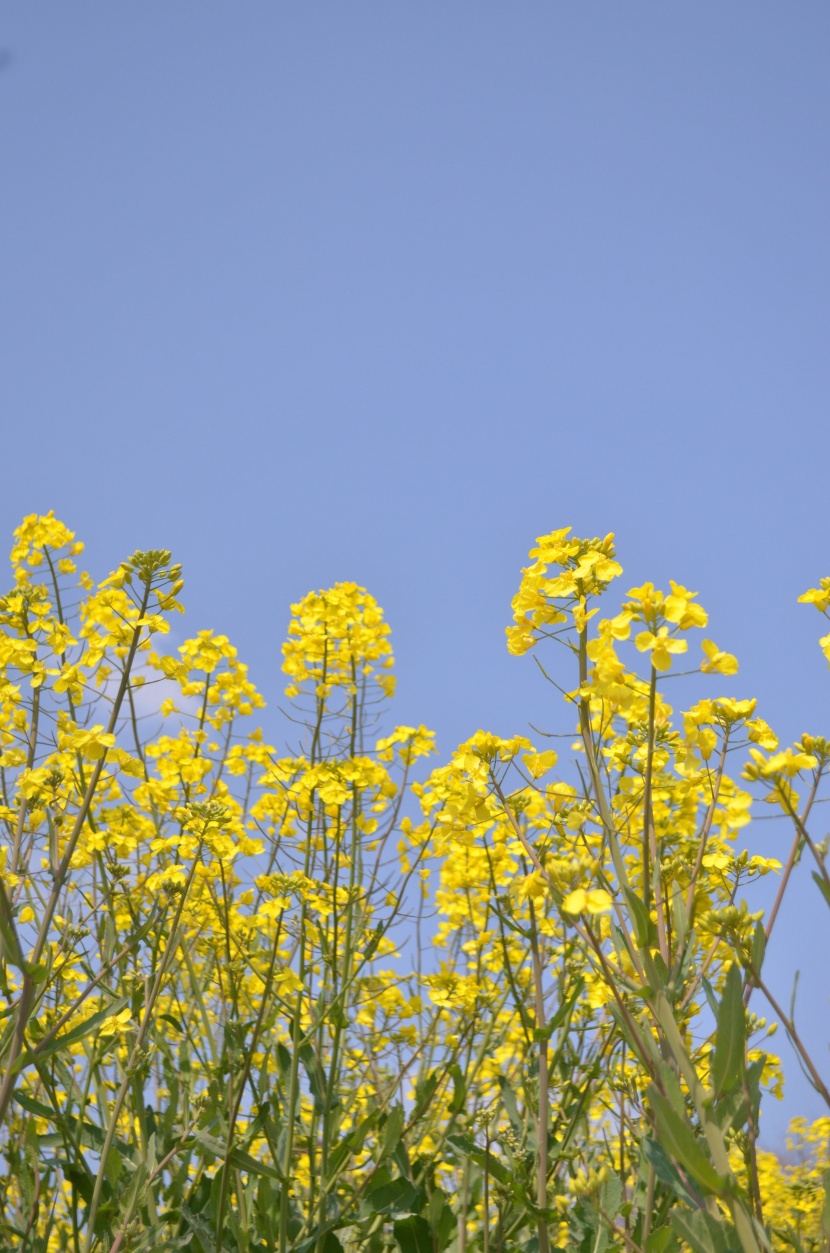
{"x":307,"y":292}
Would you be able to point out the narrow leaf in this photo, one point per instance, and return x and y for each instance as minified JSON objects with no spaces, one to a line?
{"x":640,"y":918}
{"x":759,"y":948}
{"x":730,"y":1039}
{"x":253,"y":1165}
{"x":822,"y":886}
{"x":704,"y":1233}
{"x":40,"y":1052}
{"x":391,"y":1133}
{"x":679,"y":1141}
{"x":459,"y":1089}
{"x":469,"y":1149}
{"x":657,"y":1157}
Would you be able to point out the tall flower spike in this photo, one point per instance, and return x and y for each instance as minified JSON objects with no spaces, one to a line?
{"x":585,"y":568}
{"x":336,"y":638}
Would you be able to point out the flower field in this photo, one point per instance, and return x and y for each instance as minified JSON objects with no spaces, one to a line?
{"x":345,"y":996}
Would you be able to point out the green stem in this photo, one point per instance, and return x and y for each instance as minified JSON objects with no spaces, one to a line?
{"x":27,"y":997}
{"x":147,"y":1017}
{"x":543,"y":1114}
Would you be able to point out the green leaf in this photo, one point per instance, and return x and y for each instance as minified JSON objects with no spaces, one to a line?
{"x":391,"y":1132}
{"x":330,"y":1242}
{"x":401,"y":1158}
{"x":567,"y":1006}
{"x":660,"y":974}
{"x":85,"y":1028}
{"x":112,"y":1170}
{"x":467,"y":1148}
{"x":681,"y":921}
{"x":611,"y":1196}
{"x":441,"y":1219}
{"x":91,"y":1135}
{"x":661,"y":1241}
{"x":679,"y":1141}
{"x":825,"y":1213}
{"x":657,"y":1157}
{"x":643,"y":1041}
{"x":413,"y":1235}
{"x":253,"y":1165}
{"x":732,"y":1109}
{"x":822,"y":886}
{"x":671,"y":1087}
{"x":82,"y":1179}
{"x":9,"y":948}
{"x":459,"y":1095}
{"x":309,"y":1061}
{"x":704,"y":1233}
{"x":398,"y":1197}
{"x":640,"y":917}
{"x":759,"y":948}
{"x":351,"y":1143}
{"x":711,"y":998}
{"x":511,"y":1105}
{"x":730,"y":1039}
{"x":425,"y":1089}
{"x":135,"y":1191}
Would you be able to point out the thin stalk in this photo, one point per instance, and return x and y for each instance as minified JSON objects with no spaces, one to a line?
{"x":599,"y":793}
{"x":649,"y":1205}
{"x":487,"y":1190}
{"x":798,"y":1044}
{"x":293,"y":1091}
{"x":138,"y":1045}
{"x":462,"y":1211}
{"x":705,"y":831}
{"x":542,"y":1116}
{"x":246,"y":1070}
{"x":647,"y":818}
{"x":27,"y":996}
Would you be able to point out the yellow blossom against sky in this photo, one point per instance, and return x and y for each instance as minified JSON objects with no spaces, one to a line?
{"x":376,"y":296}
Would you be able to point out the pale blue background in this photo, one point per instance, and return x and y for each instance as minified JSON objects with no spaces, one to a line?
{"x":381,"y":291}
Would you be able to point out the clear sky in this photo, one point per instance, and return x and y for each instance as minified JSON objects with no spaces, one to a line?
{"x":321,"y":291}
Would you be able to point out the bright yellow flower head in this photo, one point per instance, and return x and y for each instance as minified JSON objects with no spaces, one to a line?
{"x":335,"y":639}
{"x":39,"y":532}
{"x":585,"y":568}
{"x":717,"y":662}
{"x":818,"y":596}
{"x":661,"y":646}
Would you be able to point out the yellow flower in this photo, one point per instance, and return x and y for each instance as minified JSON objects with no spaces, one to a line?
{"x":587,"y":901}
{"x":717,"y":662}
{"x":539,"y":764}
{"x":680,"y":610}
{"x":661,"y":646}
{"x":336,"y":637}
{"x":818,"y":596}
{"x":585,"y":568}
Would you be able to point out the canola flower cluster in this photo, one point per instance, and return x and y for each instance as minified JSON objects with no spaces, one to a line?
{"x":319,"y":999}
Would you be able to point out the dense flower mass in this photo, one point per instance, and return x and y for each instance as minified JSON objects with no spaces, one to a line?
{"x":322,"y":999}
